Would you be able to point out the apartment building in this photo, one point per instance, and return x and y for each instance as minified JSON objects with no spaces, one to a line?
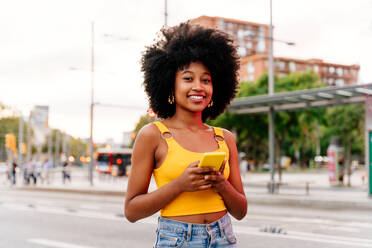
{"x":252,"y":41}
{"x":333,"y":74}
{"x":250,"y":37}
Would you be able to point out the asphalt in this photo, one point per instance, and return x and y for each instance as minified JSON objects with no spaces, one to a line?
{"x":301,"y":189}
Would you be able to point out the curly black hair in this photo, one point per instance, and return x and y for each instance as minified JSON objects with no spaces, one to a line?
{"x":176,"y":48}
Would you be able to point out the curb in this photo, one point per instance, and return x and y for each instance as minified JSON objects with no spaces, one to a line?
{"x":272,"y":200}
{"x":74,"y":191}
{"x":313,"y":203}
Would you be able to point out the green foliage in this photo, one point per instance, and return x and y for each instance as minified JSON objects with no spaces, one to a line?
{"x":297,"y":131}
{"x":143,"y":121}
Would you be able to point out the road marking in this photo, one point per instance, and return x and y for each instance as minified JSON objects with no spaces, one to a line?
{"x":322,"y":238}
{"x":309,"y":221}
{"x":307,"y":237}
{"x":56,"y":244}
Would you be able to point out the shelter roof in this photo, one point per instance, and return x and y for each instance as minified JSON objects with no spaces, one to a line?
{"x":303,"y":99}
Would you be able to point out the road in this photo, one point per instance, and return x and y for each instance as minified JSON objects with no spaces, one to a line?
{"x":66,"y":220}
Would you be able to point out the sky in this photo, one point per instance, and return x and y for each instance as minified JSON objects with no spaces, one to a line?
{"x":45,"y":50}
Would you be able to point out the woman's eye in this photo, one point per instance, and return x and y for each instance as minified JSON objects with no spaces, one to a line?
{"x":187,"y":78}
{"x":207,"y":80}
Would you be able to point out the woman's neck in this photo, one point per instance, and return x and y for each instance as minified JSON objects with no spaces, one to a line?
{"x":191,"y":121}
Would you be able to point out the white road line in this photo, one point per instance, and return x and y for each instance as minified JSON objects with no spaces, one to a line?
{"x":314,"y":237}
{"x":307,"y":237}
{"x":56,"y":244}
{"x":309,"y":221}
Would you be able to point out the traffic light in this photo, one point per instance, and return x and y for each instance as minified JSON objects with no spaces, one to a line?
{"x":23,"y":148}
{"x":10,"y":142}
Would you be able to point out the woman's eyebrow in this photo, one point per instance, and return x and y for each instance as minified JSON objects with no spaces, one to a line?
{"x":184,"y":72}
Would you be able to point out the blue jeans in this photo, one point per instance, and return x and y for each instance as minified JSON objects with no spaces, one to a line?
{"x":171,"y":233}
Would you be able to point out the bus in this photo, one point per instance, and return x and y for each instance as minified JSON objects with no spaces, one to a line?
{"x":113,"y":161}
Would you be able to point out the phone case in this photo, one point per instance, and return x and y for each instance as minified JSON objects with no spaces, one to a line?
{"x":214,"y":159}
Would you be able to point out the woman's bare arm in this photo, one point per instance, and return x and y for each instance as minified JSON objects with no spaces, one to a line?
{"x":231,"y":189}
{"x":138,"y":202}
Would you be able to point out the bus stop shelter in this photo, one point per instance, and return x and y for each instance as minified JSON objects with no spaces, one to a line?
{"x":315,"y":98}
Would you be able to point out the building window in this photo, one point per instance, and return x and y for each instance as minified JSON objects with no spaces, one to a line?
{"x":251,"y":77}
{"x":280,"y":65}
{"x":340,"y":82}
{"x":261,"y":46}
{"x":241,"y":34}
{"x":250,"y":67}
{"x":340,"y":71}
{"x":249,"y":45}
{"x":331,"y":69}
{"x":316,"y":68}
{"x":292,"y":66}
{"x":261,"y":31}
{"x":241,"y":51}
{"x":331,"y":81}
{"x":221,"y":24}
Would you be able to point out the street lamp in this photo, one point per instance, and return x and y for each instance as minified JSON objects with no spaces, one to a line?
{"x":91,"y":148}
{"x":271,"y":110}
{"x":92,"y":103}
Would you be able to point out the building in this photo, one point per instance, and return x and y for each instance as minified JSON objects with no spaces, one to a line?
{"x":252,"y":41}
{"x":250,"y":37}
{"x":333,"y":74}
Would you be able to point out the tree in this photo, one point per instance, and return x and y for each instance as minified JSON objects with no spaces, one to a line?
{"x":252,"y":129}
{"x":347,"y":122}
{"x":143,"y":121}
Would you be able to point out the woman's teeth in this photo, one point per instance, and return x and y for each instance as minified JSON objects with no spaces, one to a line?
{"x":196,"y":97}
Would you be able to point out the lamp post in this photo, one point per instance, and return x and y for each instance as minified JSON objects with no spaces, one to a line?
{"x":165,"y":13}
{"x":91,"y":148}
{"x":271,"y":110}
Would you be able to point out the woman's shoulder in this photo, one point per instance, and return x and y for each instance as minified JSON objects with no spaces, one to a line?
{"x":226,"y":133}
{"x":148,"y":131}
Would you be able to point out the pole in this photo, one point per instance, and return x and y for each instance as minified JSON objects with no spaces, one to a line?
{"x":28,"y":153}
{"x":64,"y":156}
{"x":56,"y":152}
{"x":91,"y":162}
{"x":20,"y":141}
{"x":271,"y":111}
{"x":50,"y":146}
{"x":165,"y":13}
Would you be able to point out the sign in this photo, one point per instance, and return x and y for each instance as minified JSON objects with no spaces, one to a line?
{"x":370,"y":163}
{"x":331,"y":154}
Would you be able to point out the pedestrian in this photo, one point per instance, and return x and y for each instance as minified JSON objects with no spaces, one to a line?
{"x":47,"y":167}
{"x":31,"y":173}
{"x":14,"y":173}
{"x":39,"y":171}
{"x":66,"y":172}
{"x":190,"y":76}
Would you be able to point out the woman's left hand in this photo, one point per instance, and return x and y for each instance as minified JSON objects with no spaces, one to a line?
{"x":217,"y":178}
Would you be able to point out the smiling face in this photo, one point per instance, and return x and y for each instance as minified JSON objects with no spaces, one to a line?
{"x":193,"y":87}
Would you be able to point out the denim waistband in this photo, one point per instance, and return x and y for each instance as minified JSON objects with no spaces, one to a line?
{"x":193,"y":229}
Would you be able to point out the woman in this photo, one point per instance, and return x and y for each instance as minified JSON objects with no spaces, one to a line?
{"x":190,"y":75}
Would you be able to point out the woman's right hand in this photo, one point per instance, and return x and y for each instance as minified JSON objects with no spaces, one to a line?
{"x":193,"y":178}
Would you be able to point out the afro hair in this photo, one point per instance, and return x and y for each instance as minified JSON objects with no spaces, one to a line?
{"x":176,"y":48}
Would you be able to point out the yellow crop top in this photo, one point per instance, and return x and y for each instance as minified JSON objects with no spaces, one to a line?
{"x":176,"y":161}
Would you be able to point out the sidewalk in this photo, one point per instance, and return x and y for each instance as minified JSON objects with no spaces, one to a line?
{"x":292,"y":191}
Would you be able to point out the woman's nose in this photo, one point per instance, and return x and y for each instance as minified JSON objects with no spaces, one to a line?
{"x":197,"y":85}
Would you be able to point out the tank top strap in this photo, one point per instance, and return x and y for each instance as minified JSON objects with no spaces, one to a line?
{"x":165,"y":134}
{"x":218,"y":136}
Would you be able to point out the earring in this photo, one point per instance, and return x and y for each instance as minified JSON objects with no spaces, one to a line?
{"x":171,"y":99}
{"x":210,"y":104}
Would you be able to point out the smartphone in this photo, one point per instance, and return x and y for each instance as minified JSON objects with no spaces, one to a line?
{"x":212,"y":159}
